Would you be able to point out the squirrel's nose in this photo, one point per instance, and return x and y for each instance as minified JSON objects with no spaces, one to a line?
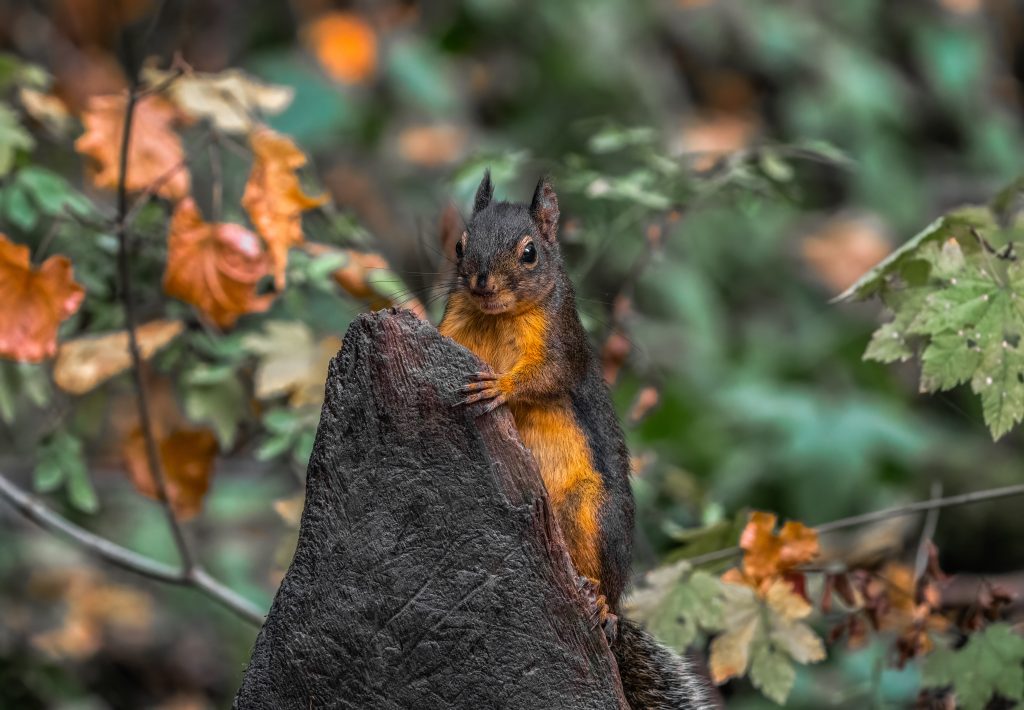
{"x":482,"y":282}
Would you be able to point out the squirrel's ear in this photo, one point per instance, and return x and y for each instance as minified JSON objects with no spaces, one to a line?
{"x":544,"y":209}
{"x":484,"y":193}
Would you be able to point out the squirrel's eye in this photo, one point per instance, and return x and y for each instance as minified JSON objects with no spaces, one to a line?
{"x":458,"y":249}
{"x":529,"y":253}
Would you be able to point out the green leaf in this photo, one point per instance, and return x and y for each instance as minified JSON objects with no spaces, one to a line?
{"x":8,"y":391}
{"x":992,"y":661}
{"x":998,"y":382}
{"x":13,"y":138}
{"x":215,"y":396}
{"x":60,"y":460}
{"x":18,"y":208}
{"x":615,"y":138}
{"x":771,"y":672}
{"x":81,"y":493}
{"x":955,"y":223}
{"x":949,"y":360}
{"x":52,"y":193}
{"x":675,"y":603}
{"x":48,"y":475}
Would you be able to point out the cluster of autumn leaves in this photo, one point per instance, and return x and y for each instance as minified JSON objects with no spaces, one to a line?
{"x":757,"y":612}
{"x":223,"y":269}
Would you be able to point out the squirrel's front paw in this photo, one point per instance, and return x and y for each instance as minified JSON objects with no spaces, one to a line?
{"x":600,"y":614}
{"x":484,"y":386}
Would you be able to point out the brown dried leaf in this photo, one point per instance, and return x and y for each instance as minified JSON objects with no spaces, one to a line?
{"x":186,"y":457}
{"x":273,"y":197}
{"x":33,"y":302}
{"x":215,"y":267}
{"x":155,"y":153}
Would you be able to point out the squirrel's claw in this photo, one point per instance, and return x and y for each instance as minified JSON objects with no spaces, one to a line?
{"x":484,"y":386}
{"x":600,"y":614}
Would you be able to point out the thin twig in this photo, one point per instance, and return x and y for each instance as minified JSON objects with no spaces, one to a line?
{"x":884,"y":514}
{"x":128,"y":302}
{"x":931,"y":522}
{"x":122,"y":557}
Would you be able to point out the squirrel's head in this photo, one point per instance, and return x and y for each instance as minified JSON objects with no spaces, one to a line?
{"x":508,"y":257}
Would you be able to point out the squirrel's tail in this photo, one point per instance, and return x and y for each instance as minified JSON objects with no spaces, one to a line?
{"x":653,"y":676}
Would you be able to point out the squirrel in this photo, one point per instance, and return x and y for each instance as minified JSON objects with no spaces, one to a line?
{"x":511,"y":302}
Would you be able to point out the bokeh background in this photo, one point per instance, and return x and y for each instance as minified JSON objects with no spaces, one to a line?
{"x":725,"y":169}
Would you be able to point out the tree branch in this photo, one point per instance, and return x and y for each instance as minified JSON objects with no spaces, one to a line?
{"x":33,"y":509}
{"x":128,"y":302}
{"x":884,"y":514}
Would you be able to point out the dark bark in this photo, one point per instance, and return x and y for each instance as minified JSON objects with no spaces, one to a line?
{"x":429,"y":572}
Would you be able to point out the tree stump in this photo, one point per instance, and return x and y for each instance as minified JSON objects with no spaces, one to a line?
{"x":430,"y":572}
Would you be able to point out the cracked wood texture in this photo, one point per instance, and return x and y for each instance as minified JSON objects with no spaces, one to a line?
{"x":429,"y":571}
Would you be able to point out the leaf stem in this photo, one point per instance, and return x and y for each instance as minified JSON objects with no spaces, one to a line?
{"x":884,"y":514}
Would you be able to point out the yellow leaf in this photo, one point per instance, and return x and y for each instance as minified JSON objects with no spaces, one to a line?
{"x":730,"y":650}
{"x":48,"y":109}
{"x":229,"y":100}
{"x":291,"y":362}
{"x":786,"y":608}
{"x":86,"y":362}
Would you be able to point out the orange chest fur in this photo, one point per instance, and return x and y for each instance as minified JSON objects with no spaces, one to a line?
{"x":549,"y":430}
{"x":503,"y":342}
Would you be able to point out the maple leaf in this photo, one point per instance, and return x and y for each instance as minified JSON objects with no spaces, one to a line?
{"x":155,"y":153}
{"x":215,"y":267}
{"x":765,"y":634}
{"x":768,"y":555}
{"x":273,"y":197}
{"x":291,"y":362}
{"x":33,"y":302}
{"x":86,"y":362}
{"x":992,"y":661}
{"x":674,"y":603}
{"x":345,"y":45}
{"x":186,"y":457}
{"x":229,"y":100}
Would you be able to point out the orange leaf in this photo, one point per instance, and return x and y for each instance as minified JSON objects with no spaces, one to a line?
{"x":273,"y":197}
{"x":86,"y":362}
{"x":155,"y":154}
{"x":844,"y":249}
{"x":345,"y":46}
{"x":215,"y":267}
{"x":33,"y":302}
{"x":768,"y":555}
{"x":432,"y":145}
{"x":356,"y":277}
{"x":186,"y":457}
